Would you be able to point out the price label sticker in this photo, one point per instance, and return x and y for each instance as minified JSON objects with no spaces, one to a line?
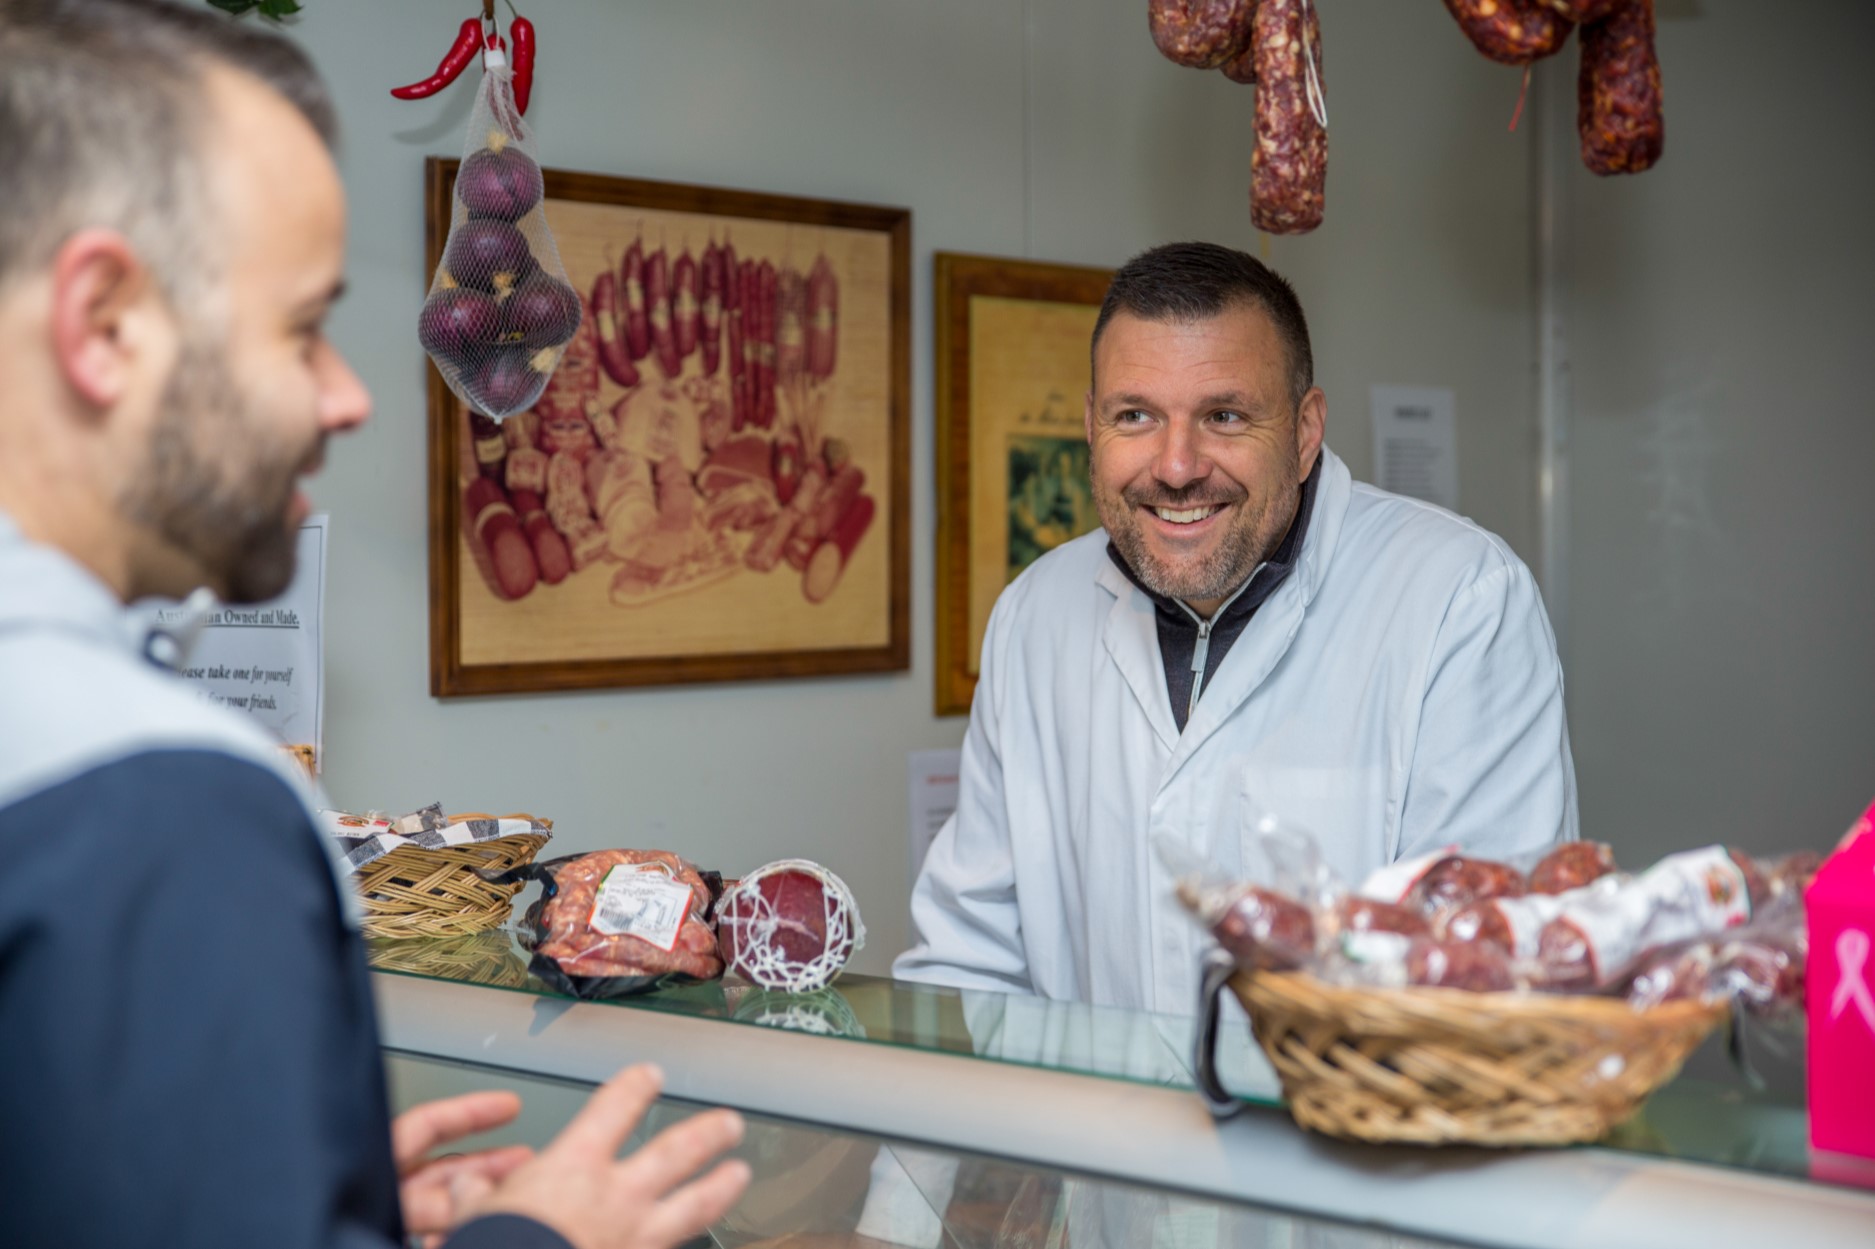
{"x":641,"y":901}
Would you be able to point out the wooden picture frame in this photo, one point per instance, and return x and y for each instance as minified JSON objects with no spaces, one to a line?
{"x":1013,"y":338}
{"x":618,"y":619}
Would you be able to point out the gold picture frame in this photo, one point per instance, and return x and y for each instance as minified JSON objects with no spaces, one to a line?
{"x":714,"y":611}
{"x":1013,"y":338}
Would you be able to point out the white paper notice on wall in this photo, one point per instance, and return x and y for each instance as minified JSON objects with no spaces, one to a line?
{"x":267,"y":659}
{"x":933,"y":778}
{"x":1416,"y":442}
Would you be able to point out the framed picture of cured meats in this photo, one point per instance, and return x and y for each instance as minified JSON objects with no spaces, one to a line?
{"x":1012,"y":356}
{"x":714,"y":483}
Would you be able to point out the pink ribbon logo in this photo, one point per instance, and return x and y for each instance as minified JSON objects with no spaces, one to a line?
{"x":1852,"y":950}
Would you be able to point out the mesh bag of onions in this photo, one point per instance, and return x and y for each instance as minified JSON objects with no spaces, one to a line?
{"x":500,"y":311}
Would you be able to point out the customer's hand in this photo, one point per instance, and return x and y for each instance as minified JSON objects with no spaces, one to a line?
{"x":433,"y":1190}
{"x":581,"y":1188}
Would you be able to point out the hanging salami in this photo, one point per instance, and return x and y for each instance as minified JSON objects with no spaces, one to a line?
{"x":1201,"y":34}
{"x":1580,"y":11}
{"x":1289,"y":168}
{"x":1513,"y":32}
{"x":1618,"y":106}
{"x":1618,"y":109}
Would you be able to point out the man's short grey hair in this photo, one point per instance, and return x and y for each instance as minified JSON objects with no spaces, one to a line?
{"x":103,"y":123}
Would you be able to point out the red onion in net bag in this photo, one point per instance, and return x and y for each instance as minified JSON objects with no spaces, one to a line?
{"x":499,"y":181}
{"x":541,"y":312}
{"x":500,"y":311}
{"x":488,"y":256}
{"x":458,"y":323}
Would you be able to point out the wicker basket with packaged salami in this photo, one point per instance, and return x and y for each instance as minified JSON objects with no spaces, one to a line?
{"x":1450,"y":999}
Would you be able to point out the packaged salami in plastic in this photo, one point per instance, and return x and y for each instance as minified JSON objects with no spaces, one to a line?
{"x":1260,"y":927}
{"x":1300,"y":916}
{"x":1391,"y":960}
{"x":619,"y":922}
{"x":1442,"y":881}
{"x":1603,"y":933}
{"x":1760,"y":965}
{"x":1445,"y":881}
{"x":1572,"y":865}
{"x":500,"y":311}
{"x":1512,"y":924}
{"x":1790,"y":875}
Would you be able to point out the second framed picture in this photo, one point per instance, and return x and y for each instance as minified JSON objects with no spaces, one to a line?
{"x":715,"y":484}
{"x":1013,"y":341}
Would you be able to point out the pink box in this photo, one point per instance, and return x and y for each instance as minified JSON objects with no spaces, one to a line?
{"x":1840,"y":905}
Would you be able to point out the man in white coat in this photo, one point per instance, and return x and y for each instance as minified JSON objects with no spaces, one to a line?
{"x":1250,"y":627}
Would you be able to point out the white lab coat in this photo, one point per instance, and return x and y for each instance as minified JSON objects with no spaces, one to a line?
{"x":1398,"y":692}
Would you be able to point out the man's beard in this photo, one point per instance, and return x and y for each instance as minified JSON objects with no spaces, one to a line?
{"x":1222,"y":569}
{"x":195,"y":493}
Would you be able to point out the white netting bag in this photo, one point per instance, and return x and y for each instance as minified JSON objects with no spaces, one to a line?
{"x":500,"y":310}
{"x":821,"y":1013}
{"x":789,"y":925}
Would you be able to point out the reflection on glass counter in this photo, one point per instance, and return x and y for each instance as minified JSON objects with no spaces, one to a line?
{"x":1030,"y":1031}
{"x":819,"y":1188}
{"x":1711,"y":1115}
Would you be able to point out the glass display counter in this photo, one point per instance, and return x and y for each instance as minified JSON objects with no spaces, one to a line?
{"x":922,"y":1116}
{"x":817,"y":1187}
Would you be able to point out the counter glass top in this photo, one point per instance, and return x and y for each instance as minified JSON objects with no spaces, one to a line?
{"x":816,"y":1187}
{"x":1710,"y":1114}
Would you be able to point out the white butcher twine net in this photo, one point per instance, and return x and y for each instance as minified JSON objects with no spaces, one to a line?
{"x":500,"y":311}
{"x":760,"y":958}
{"x":825,"y":1013}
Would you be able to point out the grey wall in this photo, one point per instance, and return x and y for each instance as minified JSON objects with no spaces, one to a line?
{"x":1050,"y":129}
{"x":1722,"y":676}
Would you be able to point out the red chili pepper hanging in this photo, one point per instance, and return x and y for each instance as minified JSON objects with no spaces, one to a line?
{"x":461,"y":52}
{"x":521,"y":34}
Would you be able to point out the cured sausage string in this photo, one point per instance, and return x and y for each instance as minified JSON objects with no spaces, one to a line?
{"x":1523,"y":93}
{"x":1318,"y":100}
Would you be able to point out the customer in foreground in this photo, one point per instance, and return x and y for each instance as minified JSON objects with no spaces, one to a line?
{"x":192,"y":1058}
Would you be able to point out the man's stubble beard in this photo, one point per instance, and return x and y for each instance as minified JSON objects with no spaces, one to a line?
{"x":1228,"y":564}
{"x":230,"y":520}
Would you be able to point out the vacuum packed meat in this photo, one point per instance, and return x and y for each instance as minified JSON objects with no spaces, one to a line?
{"x":622,"y":921}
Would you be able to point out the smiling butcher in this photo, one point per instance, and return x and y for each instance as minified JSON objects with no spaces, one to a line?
{"x":1251,"y":630}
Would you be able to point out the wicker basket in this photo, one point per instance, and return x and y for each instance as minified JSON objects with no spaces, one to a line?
{"x":1438,"y":1066}
{"x":437,"y":893}
{"x":486,"y":958}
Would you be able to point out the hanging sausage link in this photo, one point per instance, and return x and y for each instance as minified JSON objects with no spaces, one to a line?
{"x":1514,"y":32}
{"x":1618,"y":101}
{"x":1289,"y":168}
{"x":1201,"y":34}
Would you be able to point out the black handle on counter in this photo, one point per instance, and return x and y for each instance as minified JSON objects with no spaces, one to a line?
{"x":1219,"y":967}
